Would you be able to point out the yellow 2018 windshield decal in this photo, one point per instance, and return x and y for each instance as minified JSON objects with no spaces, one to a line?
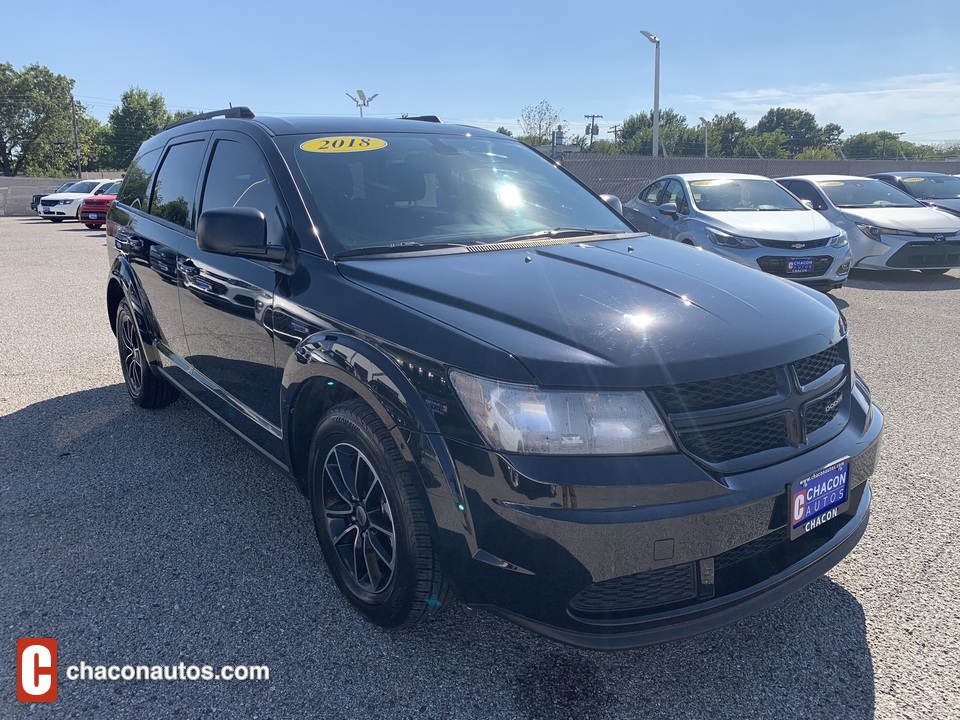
{"x":343,"y":143}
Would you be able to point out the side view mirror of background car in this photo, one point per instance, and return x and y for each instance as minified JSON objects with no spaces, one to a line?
{"x":614,"y":202}
{"x":669,"y":208}
{"x":237,"y":231}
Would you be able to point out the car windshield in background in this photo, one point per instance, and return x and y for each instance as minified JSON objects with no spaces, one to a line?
{"x":934,"y":188}
{"x":112,"y":189}
{"x":866,"y":194}
{"x":727,"y":195}
{"x":412,"y":190}
{"x":87,"y":186}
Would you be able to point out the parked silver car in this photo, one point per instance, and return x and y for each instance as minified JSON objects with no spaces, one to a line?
{"x":746,"y":218}
{"x":938,"y":190}
{"x":887,"y":228}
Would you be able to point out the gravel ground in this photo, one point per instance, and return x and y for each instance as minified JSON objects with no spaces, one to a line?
{"x":136,"y":537}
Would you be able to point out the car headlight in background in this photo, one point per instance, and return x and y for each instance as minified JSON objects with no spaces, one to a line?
{"x":839,"y":241}
{"x":528,"y":419}
{"x":873,"y":232}
{"x":718,"y":237}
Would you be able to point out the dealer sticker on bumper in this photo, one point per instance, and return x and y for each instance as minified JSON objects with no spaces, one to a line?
{"x":818,"y":499}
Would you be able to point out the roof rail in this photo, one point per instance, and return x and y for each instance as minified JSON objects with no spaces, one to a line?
{"x":423,"y":118}
{"x":232,"y":112}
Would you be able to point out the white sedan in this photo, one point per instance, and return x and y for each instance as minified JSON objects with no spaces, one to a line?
{"x":886,"y":227}
{"x":66,"y":205}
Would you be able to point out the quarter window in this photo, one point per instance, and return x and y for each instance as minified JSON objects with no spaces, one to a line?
{"x":174,"y":192}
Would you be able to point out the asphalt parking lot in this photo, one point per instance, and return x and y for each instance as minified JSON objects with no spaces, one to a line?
{"x":137,"y":537}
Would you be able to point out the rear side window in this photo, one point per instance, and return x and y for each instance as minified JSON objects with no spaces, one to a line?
{"x":175,"y":189}
{"x":137,"y":180}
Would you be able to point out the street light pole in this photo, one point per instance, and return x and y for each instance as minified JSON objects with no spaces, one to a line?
{"x":706,"y":137}
{"x":656,"y":92}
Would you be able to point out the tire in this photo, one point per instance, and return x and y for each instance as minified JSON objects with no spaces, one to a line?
{"x":92,"y":226}
{"x":935,"y":271}
{"x":55,"y":220}
{"x":369,"y":520}
{"x":144,"y":387}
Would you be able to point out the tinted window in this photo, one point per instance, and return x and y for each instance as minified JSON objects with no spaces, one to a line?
{"x":649,"y":194}
{"x":674,"y":194}
{"x":136,"y":182}
{"x":238,"y":177}
{"x":863,"y":193}
{"x":175,"y":188}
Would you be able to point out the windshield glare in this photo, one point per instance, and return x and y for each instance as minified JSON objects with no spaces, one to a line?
{"x":729,"y":194}
{"x":433,"y":188}
{"x":86,"y":186}
{"x":934,"y":188}
{"x":866,"y":193}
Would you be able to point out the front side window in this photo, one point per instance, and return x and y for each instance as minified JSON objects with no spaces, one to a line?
{"x":238,"y":177}
{"x":650,"y":193}
{"x":176,"y":186}
{"x":674,"y":193}
{"x":439,"y":189}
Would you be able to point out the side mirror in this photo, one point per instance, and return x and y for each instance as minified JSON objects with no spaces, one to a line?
{"x":808,"y":204}
{"x":669,"y":208}
{"x":614,"y":202}
{"x":237,"y":231}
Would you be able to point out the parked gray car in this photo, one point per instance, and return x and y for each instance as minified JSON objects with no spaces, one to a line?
{"x":887,"y":227}
{"x":938,"y":190}
{"x":746,"y":218}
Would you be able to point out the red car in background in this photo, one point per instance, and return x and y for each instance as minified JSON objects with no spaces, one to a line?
{"x":93,"y":210}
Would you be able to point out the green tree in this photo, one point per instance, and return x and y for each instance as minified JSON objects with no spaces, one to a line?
{"x":821,"y":153}
{"x":726,"y":131}
{"x":35,"y":120}
{"x":139,"y":116}
{"x":830,"y":135}
{"x":636,"y":132}
{"x":770,"y":145}
{"x":799,"y":126}
{"x":503,"y":131}
{"x":537,"y":123}
{"x":604,"y":147}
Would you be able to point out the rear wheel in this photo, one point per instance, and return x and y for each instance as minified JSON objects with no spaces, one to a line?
{"x":369,"y":520}
{"x":145,"y":389}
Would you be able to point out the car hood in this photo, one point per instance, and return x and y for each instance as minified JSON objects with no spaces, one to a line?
{"x":105,"y":198}
{"x":785,"y":225}
{"x":921,"y":219}
{"x":67,"y":196}
{"x":632,"y":312}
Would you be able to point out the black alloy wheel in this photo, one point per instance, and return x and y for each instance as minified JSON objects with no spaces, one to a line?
{"x":144,"y":387}
{"x":369,"y":520}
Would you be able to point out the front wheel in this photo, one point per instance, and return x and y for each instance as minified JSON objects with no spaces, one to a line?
{"x":92,"y":226}
{"x":369,"y":520}
{"x":145,"y":389}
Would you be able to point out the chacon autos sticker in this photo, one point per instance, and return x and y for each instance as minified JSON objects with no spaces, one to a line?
{"x":342,"y":144}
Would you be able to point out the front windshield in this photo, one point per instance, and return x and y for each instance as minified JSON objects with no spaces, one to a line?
{"x":113,"y":189}
{"x":66,"y":186}
{"x":866,"y":193}
{"x":926,"y":187}
{"x":736,"y":194}
{"x":87,"y":186}
{"x":392,"y":188}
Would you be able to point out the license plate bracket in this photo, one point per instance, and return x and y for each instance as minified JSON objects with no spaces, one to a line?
{"x":817,"y":499}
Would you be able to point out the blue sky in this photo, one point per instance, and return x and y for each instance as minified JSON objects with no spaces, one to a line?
{"x":867,"y":65}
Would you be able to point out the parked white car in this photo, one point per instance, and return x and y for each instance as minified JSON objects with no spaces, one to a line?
{"x":62,"y":206}
{"x":746,"y":218}
{"x":887,"y":228}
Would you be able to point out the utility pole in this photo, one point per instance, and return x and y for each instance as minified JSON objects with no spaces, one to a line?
{"x":592,"y":127}
{"x":616,"y":133}
{"x":76,"y":135}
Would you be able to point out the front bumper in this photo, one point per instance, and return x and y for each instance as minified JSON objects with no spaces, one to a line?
{"x":830,"y":265}
{"x":903,"y":252}
{"x":661,"y":550}
{"x":59,"y":211}
{"x":93,"y":216}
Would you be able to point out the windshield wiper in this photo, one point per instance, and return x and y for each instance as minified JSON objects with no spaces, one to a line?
{"x":395,"y":248}
{"x":557,"y":232}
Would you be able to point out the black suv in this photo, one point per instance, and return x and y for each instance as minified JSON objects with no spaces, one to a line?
{"x":485,"y":380}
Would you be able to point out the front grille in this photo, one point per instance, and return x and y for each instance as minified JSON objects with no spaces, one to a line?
{"x":777,"y":265}
{"x":726,"y":420}
{"x":748,"y":550}
{"x":816,"y":366}
{"x":822,"y":411}
{"x":711,"y":394}
{"x":737,"y":441}
{"x":636,"y":592}
{"x":49,"y":203}
{"x":927,"y":255}
{"x":788,"y":245}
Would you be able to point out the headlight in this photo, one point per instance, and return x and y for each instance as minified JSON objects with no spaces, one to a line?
{"x":718,"y":237}
{"x":528,"y":419}
{"x":873,"y":232}
{"x":839,"y":241}
{"x":66,"y":202}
